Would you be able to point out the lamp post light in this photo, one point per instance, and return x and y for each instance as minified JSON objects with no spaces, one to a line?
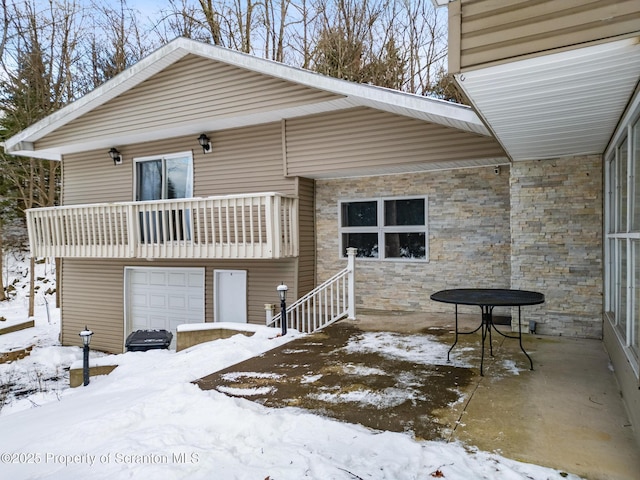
{"x":86,"y":340}
{"x":282,"y":291}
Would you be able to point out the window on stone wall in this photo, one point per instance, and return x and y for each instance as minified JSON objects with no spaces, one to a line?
{"x":385,"y":228}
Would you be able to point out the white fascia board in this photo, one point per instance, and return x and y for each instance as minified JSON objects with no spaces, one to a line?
{"x":27,"y":149}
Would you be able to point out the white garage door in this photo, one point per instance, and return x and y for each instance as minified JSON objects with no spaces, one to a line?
{"x":163,"y":298}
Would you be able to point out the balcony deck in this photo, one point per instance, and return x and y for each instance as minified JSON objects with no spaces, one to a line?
{"x":251,"y":226}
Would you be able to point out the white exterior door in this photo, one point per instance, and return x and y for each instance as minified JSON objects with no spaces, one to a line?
{"x":230,"y":296}
{"x":163,"y":298}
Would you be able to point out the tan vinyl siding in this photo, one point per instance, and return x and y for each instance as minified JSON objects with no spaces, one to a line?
{"x":192,"y":91}
{"x":362,"y":138}
{"x":306,"y":215}
{"x":93,"y":294}
{"x":262,"y":279}
{"x":243,"y":160}
{"x":91,"y":177}
{"x":489,"y":31}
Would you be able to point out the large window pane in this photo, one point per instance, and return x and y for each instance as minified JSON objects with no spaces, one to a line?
{"x":360,"y":214}
{"x":635,"y":343}
{"x":405,"y":245}
{"x":149,"y":176}
{"x":621,"y":311}
{"x":179,"y":183}
{"x":391,"y":228}
{"x":612,"y":176}
{"x":611,"y":278}
{"x":635,"y":212}
{"x":404,"y":212}
{"x":366,"y":243}
{"x":623,"y":193}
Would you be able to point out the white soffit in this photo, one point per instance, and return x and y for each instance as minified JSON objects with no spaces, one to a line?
{"x":561,"y":104}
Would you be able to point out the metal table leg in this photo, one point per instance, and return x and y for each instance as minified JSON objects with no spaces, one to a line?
{"x":519,"y":337}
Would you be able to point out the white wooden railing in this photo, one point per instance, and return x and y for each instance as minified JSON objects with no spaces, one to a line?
{"x":325,"y":304}
{"x":262,"y":225}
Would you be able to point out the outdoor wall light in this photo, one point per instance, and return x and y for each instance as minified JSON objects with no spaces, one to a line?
{"x":86,"y":340}
{"x":86,"y":336}
{"x":205,"y":143}
{"x":115,"y":156}
{"x":282,"y":291}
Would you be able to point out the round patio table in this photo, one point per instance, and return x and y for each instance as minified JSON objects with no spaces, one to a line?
{"x":487,"y":299}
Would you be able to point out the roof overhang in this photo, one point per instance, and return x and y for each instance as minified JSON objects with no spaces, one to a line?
{"x":352,"y":95}
{"x":561,"y":104}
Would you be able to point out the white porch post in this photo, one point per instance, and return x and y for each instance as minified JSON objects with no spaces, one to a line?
{"x":268,"y":309}
{"x":351,"y":295}
{"x":132,"y":221}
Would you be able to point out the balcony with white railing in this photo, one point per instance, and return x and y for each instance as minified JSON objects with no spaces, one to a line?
{"x":251,"y":226}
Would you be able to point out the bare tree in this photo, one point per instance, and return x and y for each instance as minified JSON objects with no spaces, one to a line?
{"x":275,"y":23}
{"x":425,"y":32}
{"x":37,"y":78}
{"x":213,"y":20}
{"x":399,"y":44}
{"x":114,"y":42}
{"x":357,"y":42}
{"x":5,"y":26}
{"x":182,"y":19}
{"x":244,"y":18}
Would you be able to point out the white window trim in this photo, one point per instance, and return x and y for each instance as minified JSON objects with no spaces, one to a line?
{"x":162,"y":156}
{"x":381,"y":229}
{"x":612,"y":209}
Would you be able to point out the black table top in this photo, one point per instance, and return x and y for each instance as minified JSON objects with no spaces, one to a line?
{"x":496,"y":297}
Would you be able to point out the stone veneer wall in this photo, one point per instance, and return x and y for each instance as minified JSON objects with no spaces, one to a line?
{"x":469,"y":236}
{"x":556,"y":233}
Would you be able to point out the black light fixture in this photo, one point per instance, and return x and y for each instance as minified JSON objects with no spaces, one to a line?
{"x":86,"y":340}
{"x":115,"y":156}
{"x":282,"y":291}
{"x":205,"y":143}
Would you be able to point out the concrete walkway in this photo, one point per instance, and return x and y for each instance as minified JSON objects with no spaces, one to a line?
{"x":566,"y":414}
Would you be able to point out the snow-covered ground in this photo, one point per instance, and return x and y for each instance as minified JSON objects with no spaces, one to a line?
{"x":147,"y":420}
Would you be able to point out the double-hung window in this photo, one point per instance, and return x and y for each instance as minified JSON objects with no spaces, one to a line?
{"x":385,"y":228}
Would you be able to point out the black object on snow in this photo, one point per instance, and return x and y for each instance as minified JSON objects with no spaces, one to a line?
{"x":143,"y":340}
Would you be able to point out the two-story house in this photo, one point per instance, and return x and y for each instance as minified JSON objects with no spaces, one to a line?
{"x":198,"y":180}
{"x":557,"y":83}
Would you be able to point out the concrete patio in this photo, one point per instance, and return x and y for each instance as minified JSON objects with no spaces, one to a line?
{"x":566,"y":414}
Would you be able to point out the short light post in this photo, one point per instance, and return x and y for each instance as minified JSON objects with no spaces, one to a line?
{"x":86,"y":340}
{"x":282,"y":291}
